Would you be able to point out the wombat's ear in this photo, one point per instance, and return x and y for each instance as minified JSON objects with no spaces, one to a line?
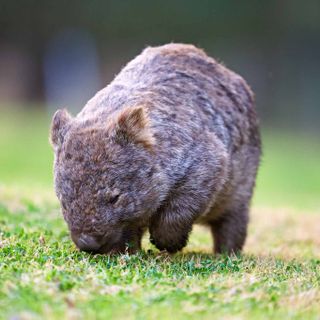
{"x":59,"y":121}
{"x":132,"y":124}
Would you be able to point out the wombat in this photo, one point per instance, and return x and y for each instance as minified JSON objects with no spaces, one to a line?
{"x":173,"y":140}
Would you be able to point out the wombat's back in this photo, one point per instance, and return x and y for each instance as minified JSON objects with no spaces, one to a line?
{"x":181,"y":80}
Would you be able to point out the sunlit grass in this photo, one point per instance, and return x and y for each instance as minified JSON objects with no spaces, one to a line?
{"x":43,"y":274}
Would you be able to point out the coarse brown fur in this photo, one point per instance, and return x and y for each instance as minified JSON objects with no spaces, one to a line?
{"x":172,"y":141}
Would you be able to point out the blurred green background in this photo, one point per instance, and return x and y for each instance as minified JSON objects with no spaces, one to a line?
{"x":55,"y":54}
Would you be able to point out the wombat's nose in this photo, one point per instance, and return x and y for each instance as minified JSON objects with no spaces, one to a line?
{"x":86,"y":242}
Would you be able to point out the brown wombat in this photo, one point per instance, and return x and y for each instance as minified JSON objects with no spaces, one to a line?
{"x":172,"y":141}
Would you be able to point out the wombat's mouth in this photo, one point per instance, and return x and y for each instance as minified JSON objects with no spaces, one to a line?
{"x":98,"y":245}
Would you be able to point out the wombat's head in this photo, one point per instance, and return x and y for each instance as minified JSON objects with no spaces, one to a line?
{"x":105,"y":177}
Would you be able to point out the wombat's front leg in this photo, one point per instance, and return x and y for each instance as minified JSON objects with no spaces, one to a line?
{"x":170,"y":226}
{"x":168,"y":235}
{"x":230,"y":231}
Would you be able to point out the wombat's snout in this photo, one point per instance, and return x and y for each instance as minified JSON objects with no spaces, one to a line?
{"x":86,"y":242}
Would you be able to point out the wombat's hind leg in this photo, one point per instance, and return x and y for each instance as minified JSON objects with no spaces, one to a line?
{"x":230,"y":230}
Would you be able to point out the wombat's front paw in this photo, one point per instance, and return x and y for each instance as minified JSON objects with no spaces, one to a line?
{"x":170,"y":242}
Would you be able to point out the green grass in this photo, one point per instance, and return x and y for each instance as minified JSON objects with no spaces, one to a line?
{"x":289,"y":173}
{"x":43,"y":275}
{"x":25,"y":157}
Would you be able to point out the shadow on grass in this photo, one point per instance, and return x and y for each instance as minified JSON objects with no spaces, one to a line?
{"x":154,"y":264}
{"x":180,"y":264}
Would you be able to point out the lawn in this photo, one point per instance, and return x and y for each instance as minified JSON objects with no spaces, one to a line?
{"x":43,"y":275}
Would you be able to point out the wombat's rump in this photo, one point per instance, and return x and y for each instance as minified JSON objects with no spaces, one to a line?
{"x":172,"y":141}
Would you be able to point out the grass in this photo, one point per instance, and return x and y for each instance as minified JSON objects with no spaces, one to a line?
{"x":43,"y":275}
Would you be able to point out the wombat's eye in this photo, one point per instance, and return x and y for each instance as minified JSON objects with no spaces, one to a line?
{"x":114,"y":199}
